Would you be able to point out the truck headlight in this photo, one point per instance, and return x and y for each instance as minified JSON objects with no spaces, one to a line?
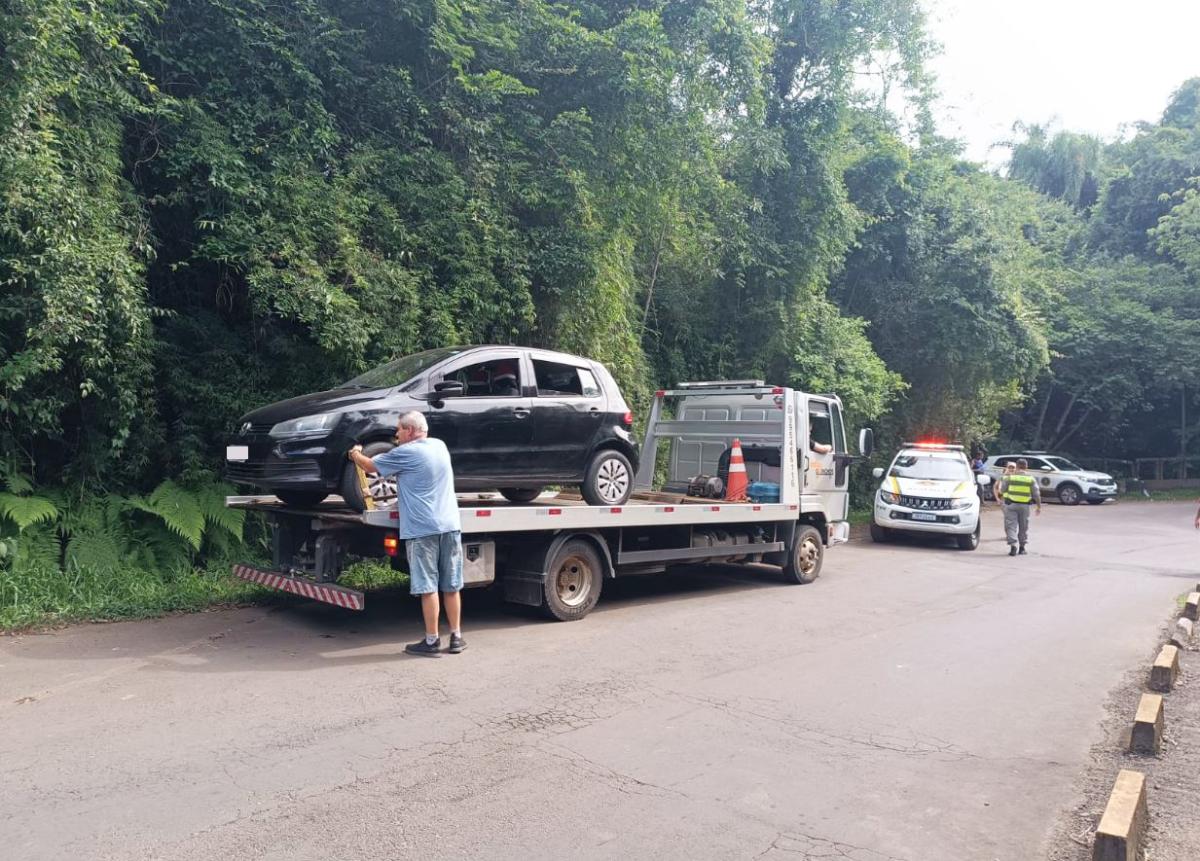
{"x":888,"y":497}
{"x":962,"y":502}
{"x":305,"y":426}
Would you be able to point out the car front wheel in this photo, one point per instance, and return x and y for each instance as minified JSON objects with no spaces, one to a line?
{"x":520,"y":494}
{"x":608,"y":480}
{"x":968,"y":542}
{"x":383,"y":490}
{"x":1069,"y":494}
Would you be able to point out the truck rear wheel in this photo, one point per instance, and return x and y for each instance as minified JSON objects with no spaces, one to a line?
{"x":804,"y":557}
{"x":573,"y":581}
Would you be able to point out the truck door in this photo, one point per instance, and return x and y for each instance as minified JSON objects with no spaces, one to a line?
{"x":826,"y":460}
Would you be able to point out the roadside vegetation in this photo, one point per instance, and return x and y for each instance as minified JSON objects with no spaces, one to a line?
{"x":207,"y":206}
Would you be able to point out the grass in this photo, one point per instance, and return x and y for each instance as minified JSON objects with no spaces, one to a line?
{"x":1178,"y":494}
{"x":33,"y":598}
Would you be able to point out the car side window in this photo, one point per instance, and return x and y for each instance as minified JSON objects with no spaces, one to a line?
{"x":493,"y":378}
{"x":1002,"y":462}
{"x":559,"y":380}
{"x":1037,"y":463}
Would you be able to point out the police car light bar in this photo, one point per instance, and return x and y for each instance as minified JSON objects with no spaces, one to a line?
{"x":941,"y":446}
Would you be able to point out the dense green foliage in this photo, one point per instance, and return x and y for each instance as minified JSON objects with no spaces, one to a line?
{"x":206,"y":205}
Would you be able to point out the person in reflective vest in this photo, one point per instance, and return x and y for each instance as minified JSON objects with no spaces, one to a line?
{"x":1019,"y":491}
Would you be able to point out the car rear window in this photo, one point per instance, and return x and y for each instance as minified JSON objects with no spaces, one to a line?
{"x":556,"y":378}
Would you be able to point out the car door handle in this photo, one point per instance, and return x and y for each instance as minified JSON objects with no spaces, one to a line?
{"x":520,"y":412}
{"x":595,"y":412}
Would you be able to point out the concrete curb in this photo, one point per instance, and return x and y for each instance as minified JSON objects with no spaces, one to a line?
{"x":1123,"y":825}
{"x":1191,"y":607}
{"x":1165,"y":670}
{"x":1148,"y":725}
{"x":1181,"y":636}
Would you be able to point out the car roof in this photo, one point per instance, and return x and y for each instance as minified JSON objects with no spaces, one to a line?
{"x":943,"y":453}
{"x":534,"y":352}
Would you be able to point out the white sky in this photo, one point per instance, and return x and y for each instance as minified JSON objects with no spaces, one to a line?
{"x":1086,"y":66}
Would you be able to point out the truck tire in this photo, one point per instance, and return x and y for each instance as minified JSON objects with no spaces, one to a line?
{"x":609,"y":478}
{"x":1069,"y":494}
{"x":520,"y":494}
{"x":301,"y":498}
{"x":803,"y":561}
{"x":880,"y":534}
{"x":383,"y":490}
{"x":573,"y":581}
{"x":968,"y":542}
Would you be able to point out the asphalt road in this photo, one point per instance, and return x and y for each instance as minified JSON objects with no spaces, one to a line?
{"x":917,"y":702}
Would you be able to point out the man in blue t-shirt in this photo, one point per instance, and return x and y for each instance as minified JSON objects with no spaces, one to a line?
{"x":429,"y":523}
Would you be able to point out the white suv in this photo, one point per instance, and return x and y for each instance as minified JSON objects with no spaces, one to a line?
{"x":928,"y":488}
{"x":1057,"y":476}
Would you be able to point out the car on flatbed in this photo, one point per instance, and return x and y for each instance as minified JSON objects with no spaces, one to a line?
{"x":929,"y":488}
{"x":1058,"y":476}
{"x":515,"y":419}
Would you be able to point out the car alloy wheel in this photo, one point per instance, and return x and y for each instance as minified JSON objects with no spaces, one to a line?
{"x":612,"y":480}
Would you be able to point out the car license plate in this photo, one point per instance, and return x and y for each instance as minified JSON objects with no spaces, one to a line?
{"x":237,"y":452}
{"x":921,"y":515}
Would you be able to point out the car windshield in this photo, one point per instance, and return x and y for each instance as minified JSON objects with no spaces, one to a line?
{"x":930,"y":468}
{"x":401,"y":370}
{"x":1063,"y":464}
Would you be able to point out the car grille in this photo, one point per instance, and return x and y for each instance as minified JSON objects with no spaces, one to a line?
{"x":1105,"y":482}
{"x":254,"y":471}
{"x":924,"y":503}
{"x":253,"y":429}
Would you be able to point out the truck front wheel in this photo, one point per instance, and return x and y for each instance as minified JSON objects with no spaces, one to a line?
{"x":573,"y":581}
{"x":804,"y":557}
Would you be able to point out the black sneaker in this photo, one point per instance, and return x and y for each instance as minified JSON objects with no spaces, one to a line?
{"x":1012,"y":551}
{"x":457,"y":644}
{"x":1022,"y":550}
{"x":425,"y":649}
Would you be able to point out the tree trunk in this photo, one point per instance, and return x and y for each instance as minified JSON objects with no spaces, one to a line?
{"x":1062,"y":439}
{"x":1062,"y":420}
{"x":1037,"y":431}
{"x":662,"y":236}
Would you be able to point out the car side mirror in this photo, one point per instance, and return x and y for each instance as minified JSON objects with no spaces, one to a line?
{"x":983,"y":480}
{"x":449,"y":389}
{"x":866,"y":442}
{"x":877,"y":472}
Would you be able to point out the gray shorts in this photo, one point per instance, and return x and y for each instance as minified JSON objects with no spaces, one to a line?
{"x":435,"y":563}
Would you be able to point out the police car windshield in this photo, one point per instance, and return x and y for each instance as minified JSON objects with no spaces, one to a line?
{"x":927,"y":467}
{"x":1063,"y":464}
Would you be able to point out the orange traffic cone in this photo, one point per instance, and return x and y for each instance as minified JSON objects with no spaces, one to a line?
{"x":735,"y":487}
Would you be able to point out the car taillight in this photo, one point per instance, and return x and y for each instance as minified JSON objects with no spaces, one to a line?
{"x":391,"y":545}
{"x":628,"y":418}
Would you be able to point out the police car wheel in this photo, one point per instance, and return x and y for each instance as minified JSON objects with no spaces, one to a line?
{"x":968,"y":542}
{"x":880,"y":534}
{"x":1069,"y":494}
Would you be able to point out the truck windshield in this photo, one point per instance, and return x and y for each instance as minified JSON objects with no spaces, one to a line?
{"x":400,"y":370}
{"x":1063,"y":464}
{"x":930,"y":468}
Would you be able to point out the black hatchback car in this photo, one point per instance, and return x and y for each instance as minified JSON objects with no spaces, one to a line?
{"x":515,"y":420}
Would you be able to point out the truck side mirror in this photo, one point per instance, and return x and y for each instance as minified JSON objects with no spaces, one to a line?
{"x":866,"y":442}
{"x":983,"y":480}
{"x":877,"y":472}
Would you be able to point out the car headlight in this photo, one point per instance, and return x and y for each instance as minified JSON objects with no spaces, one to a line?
{"x":305,"y":426}
{"x":962,"y":501}
{"x":888,"y":497}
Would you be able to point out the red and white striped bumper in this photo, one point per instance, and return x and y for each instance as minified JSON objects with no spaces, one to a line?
{"x":330,"y":593}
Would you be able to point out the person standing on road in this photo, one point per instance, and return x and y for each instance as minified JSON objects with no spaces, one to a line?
{"x":429,"y":524}
{"x":1019,"y":490}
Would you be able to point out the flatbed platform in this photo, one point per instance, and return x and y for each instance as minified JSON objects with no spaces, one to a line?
{"x":487,"y":513}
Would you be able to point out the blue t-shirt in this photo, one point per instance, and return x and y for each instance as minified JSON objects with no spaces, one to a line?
{"x":424,"y":487}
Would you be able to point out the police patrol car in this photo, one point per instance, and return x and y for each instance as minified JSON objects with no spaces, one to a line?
{"x":928,"y":488}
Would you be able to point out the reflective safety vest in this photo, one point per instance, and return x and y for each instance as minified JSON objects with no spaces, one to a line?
{"x":1019,"y":489}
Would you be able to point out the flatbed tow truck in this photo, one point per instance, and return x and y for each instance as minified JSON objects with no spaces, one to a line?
{"x":556,"y":552}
